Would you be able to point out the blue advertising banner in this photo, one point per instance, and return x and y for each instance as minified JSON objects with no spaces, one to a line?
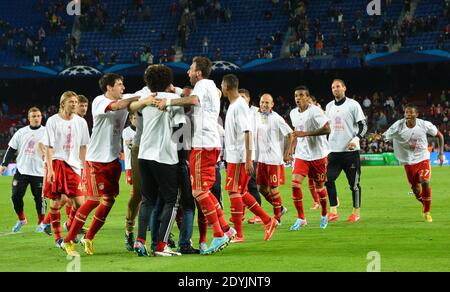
{"x":435,"y":161}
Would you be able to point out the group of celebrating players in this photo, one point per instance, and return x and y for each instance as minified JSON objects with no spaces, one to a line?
{"x":172,"y":149}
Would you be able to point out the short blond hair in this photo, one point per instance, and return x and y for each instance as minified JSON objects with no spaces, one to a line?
{"x":63,"y":99}
{"x":33,"y":109}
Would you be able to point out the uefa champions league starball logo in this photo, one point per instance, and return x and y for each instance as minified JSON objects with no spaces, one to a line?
{"x":224,"y":66}
{"x":80,"y":70}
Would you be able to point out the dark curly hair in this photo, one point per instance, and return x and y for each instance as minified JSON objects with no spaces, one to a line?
{"x":158,"y":77}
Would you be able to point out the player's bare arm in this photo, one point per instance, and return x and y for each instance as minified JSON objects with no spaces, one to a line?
{"x":441,"y":148}
{"x":289,"y":141}
{"x":123,"y":103}
{"x":248,"y":153}
{"x":137,"y":105}
{"x":325,"y":130}
{"x":362,"y":129}
{"x":49,"y":161}
{"x":162,"y":103}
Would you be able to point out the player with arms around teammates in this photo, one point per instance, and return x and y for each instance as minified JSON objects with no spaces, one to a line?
{"x":102,"y":167}
{"x":206,"y":146}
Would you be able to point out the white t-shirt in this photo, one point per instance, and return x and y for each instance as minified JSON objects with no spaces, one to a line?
{"x":143,"y":93}
{"x":66,"y":138}
{"x":127,"y":136}
{"x":253,"y":113}
{"x":106,"y":143}
{"x":344,"y":120}
{"x":270,"y":135}
{"x":312,"y":147}
{"x":157,"y":141}
{"x":205,"y":115}
{"x":25,"y":141}
{"x":236,"y":123}
{"x":411,"y":144}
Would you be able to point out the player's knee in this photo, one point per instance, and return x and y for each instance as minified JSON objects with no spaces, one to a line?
{"x":425,"y":184}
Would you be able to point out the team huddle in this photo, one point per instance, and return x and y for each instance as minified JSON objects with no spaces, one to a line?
{"x":172,"y":152}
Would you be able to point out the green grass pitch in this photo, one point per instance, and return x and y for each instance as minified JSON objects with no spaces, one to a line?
{"x":391,"y":225}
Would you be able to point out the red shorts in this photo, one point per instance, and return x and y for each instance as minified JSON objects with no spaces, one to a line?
{"x":418,"y":172}
{"x":67,"y":182}
{"x":237,"y":180}
{"x":202,"y":166}
{"x":316,"y":169}
{"x":270,"y":175}
{"x":103,"y":178}
{"x":129,"y":176}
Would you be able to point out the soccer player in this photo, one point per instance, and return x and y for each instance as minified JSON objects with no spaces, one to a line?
{"x":205,"y":148}
{"x":271,"y":131}
{"x":127,"y":138}
{"x":348,"y":126}
{"x":66,"y":139}
{"x":83,"y":105}
{"x":102,"y":166}
{"x":311,"y":150}
{"x":409,"y":136}
{"x":158,"y":163}
{"x":252,"y":186}
{"x":239,"y":156}
{"x":30,"y":168}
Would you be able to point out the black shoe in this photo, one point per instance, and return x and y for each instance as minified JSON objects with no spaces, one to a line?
{"x":188,"y":249}
{"x":171,"y":243}
{"x":129,"y":241}
{"x":48,"y":229}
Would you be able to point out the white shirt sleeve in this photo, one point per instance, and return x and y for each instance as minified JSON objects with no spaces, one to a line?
{"x":85,"y":133}
{"x":391,"y":132}
{"x":101,"y":105}
{"x":49,"y":137}
{"x":430,"y":128}
{"x":320,"y":117}
{"x":14,"y":143}
{"x":242,"y":119}
{"x":358,"y":113}
{"x":283,"y":126}
{"x":200,"y":92}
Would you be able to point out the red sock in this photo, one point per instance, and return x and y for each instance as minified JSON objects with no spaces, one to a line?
{"x":256,"y":209}
{"x":426,"y":198}
{"x":141,"y":240}
{"x":100,"y":218}
{"x":55,"y":220}
{"x":207,"y":207}
{"x":222,"y":221}
{"x":312,"y":189}
{"x":236,"y":206}
{"x":80,"y":219}
{"x":47,"y":219}
{"x":72,"y":213}
{"x":323,"y":200}
{"x":202,"y":225}
{"x":41,"y":218}
{"x":277,"y":205}
{"x":160,"y":246}
{"x":297,"y":197}
{"x":21,"y":216}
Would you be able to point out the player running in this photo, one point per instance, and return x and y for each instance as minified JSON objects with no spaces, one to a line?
{"x":409,"y":136}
